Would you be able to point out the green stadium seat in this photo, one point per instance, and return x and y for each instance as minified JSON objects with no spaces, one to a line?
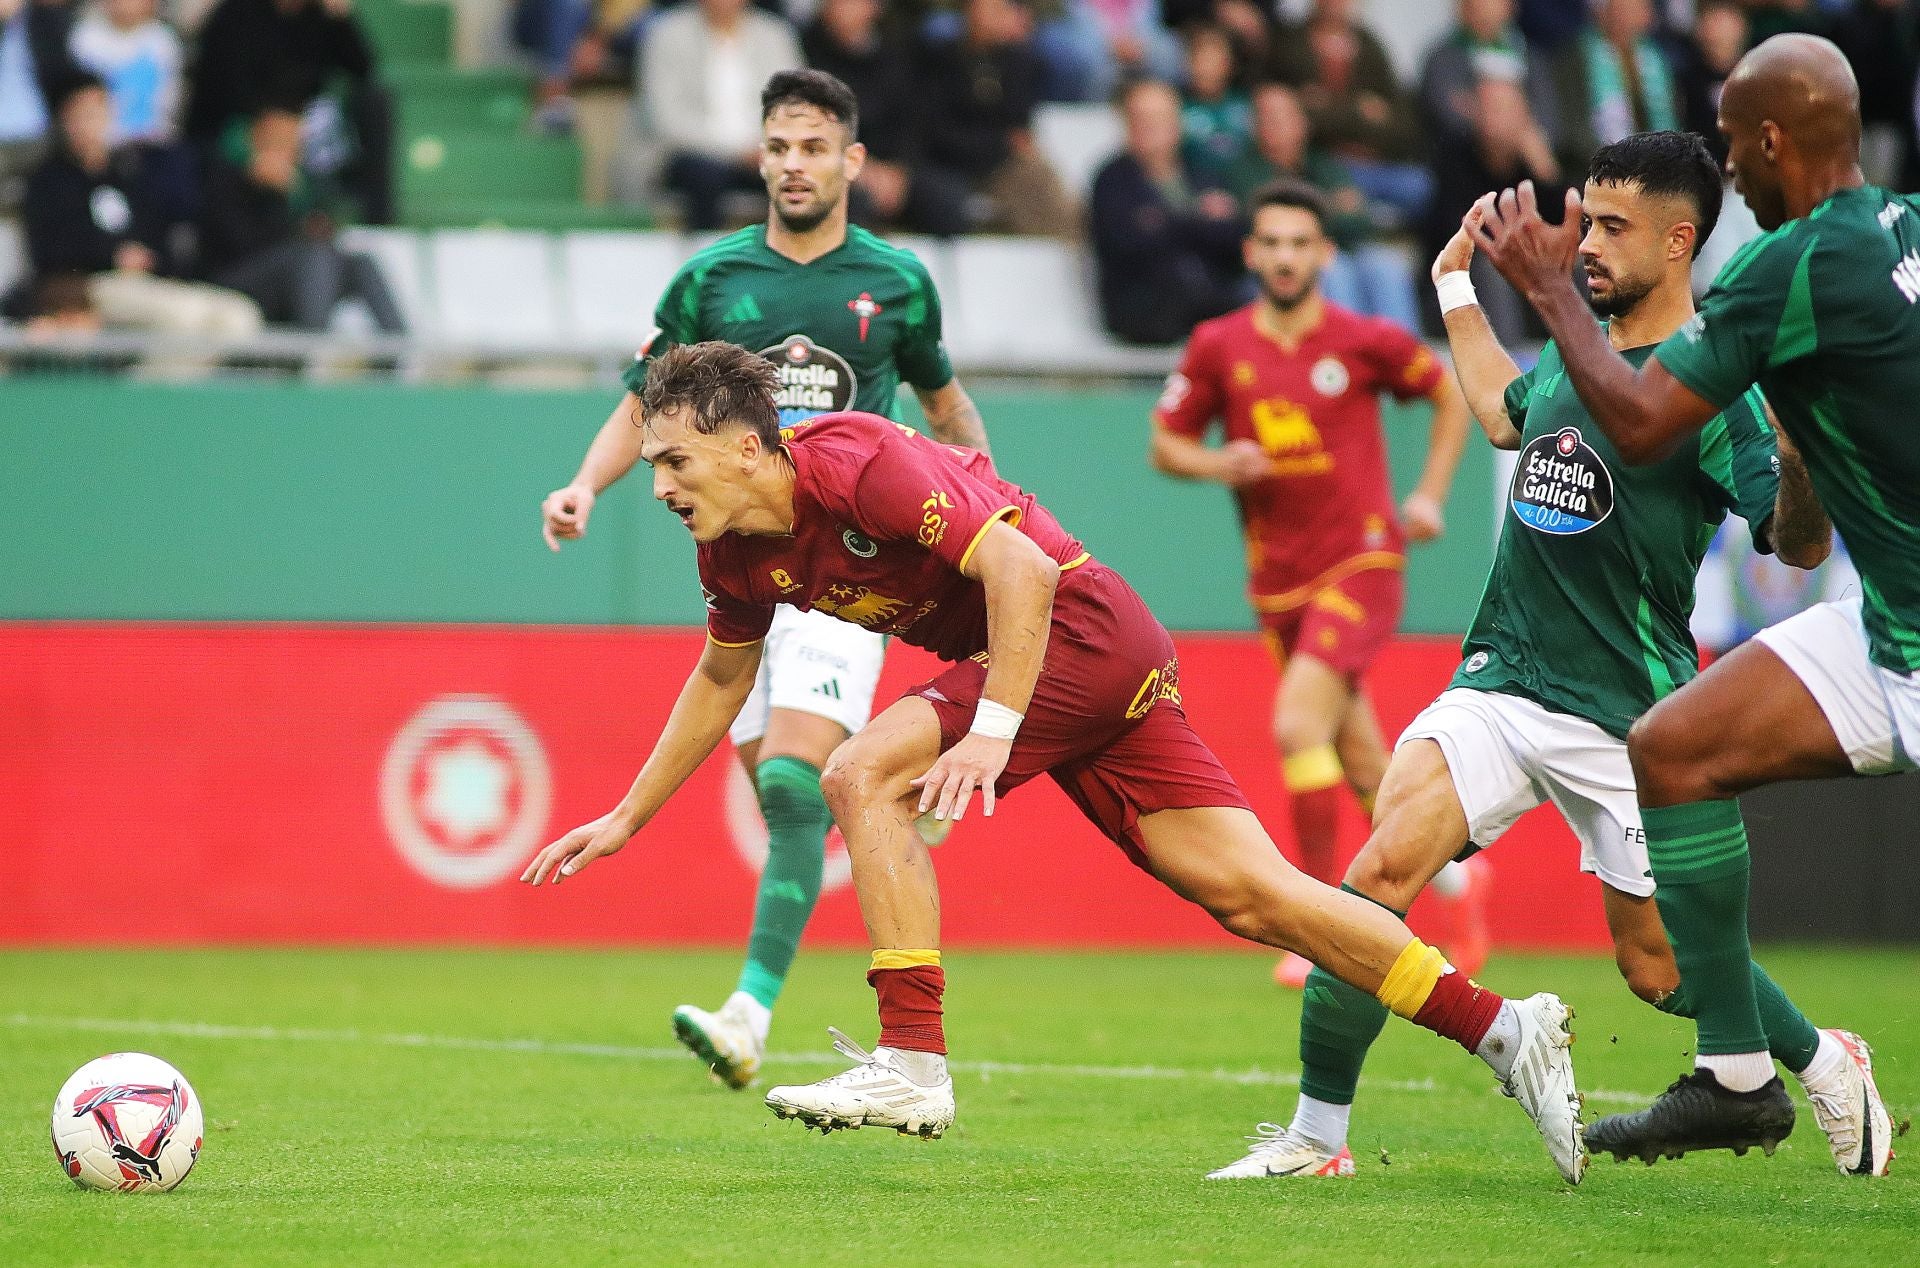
{"x":408,"y":30}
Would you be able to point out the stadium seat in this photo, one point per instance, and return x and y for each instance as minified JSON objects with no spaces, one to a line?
{"x":612,"y":282}
{"x":1077,"y":139}
{"x":398,"y":253}
{"x":494,"y":287}
{"x":1022,"y":301}
{"x":13,"y":254}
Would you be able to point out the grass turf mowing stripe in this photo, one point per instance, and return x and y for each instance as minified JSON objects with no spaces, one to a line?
{"x":541,"y":1047}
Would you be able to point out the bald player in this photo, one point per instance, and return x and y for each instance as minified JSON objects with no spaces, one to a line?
{"x":1823,"y":313}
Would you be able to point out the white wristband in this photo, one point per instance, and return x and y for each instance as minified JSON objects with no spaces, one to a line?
{"x":996,"y":721}
{"x":1455,"y":290}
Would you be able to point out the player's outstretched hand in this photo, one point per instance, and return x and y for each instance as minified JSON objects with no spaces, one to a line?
{"x":975,"y":762}
{"x":1457,"y":255}
{"x":1244,"y":462}
{"x":1530,"y":253}
{"x":1421,"y":518}
{"x":563,"y":516}
{"x":575,"y":850}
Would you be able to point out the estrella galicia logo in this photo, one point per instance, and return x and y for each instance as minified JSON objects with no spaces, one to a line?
{"x":813,"y":380}
{"x":1560,"y":486}
{"x":859,"y":544}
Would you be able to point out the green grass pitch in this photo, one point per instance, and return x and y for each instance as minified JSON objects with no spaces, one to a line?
{"x":491,"y":1107}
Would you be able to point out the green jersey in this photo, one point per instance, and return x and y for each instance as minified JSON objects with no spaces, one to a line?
{"x":1587,"y":606}
{"x":1824,"y":314}
{"x":844,"y":329}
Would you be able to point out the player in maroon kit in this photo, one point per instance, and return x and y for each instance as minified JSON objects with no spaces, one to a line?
{"x":1057,"y":668}
{"x":1297,"y":382}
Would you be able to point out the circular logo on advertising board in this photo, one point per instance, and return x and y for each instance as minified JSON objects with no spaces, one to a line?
{"x":748,"y":832}
{"x":465,"y":791}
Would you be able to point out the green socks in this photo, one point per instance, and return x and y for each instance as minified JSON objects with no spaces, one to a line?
{"x":1791,"y":1038}
{"x":1338,"y":1023}
{"x":1700,"y":866}
{"x":797,"y":823}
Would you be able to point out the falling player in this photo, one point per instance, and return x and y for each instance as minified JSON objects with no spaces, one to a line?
{"x":1297,"y":382}
{"x":1058,"y":668}
{"x":1823,"y":313}
{"x":845,"y":317}
{"x":1582,"y":627}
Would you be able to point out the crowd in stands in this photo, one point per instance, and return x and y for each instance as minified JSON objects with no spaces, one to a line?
{"x":183,"y":173}
{"x":237,"y":133}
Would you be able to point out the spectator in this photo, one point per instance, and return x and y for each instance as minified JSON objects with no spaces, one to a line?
{"x":1613,"y":81}
{"x":33,"y":58}
{"x":977,"y":93}
{"x":1249,"y":24}
{"x":894,"y":188}
{"x":1216,"y":123}
{"x":255,"y":53}
{"x":1166,"y":242}
{"x":139,"y":57}
{"x":261,"y":235}
{"x":1365,"y":275}
{"x":1718,"y":41}
{"x":1355,"y":105}
{"x":1881,"y":39}
{"x":702,"y":66}
{"x":1549,"y":24}
{"x":575,"y":41}
{"x":1093,"y":44}
{"x":1508,"y":146}
{"x":1483,"y":42}
{"x":88,"y":211}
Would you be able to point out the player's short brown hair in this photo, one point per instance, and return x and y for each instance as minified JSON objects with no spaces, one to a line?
{"x":1291,"y":193}
{"x":719,"y":385}
{"x":815,"y":88}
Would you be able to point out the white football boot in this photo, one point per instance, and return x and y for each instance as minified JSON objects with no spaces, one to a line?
{"x":1542,"y":1081}
{"x":1278,"y":1151}
{"x":874,"y":1093}
{"x":1852,"y":1114}
{"x":725,"y":1042}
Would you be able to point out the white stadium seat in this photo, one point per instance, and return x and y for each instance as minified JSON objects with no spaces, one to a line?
{"x":612,"y":282}
{"x":402,"y":263}
{"x":1077,"y":139}
{"x":13,"y":254}
{"x":1022,"y":301}
{"x":495,"y":287}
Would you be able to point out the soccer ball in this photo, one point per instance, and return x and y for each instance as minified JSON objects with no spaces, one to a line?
{"x":127,"y":1122}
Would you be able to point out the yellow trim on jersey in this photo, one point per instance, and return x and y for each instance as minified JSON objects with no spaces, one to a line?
{"x":1011,"y":514}
{"x":731,"y":646}
{"x":1411,"y":980}
{"x":1071,"y":564}
{"x":1312,"y":770}
{"x":1290,"y":599}
{"x":903,"y":958}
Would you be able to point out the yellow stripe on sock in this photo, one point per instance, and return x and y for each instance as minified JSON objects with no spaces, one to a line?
{"x":1312,"y":770}
{"x":903,"y":958}
{"x":1412,"y":978}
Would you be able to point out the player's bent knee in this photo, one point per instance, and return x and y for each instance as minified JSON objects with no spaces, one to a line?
{"x":1651,"y":978}
{"x":1666,"y":758}
{"x":1391,"y":877}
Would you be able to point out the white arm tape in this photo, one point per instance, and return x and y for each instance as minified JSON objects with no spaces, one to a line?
{"x":996,"y":721}
{"x":1455,"y":290}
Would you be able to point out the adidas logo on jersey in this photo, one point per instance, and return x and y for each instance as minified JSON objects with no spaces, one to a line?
{"x":746,"y":308}
{"x":830,"y":689}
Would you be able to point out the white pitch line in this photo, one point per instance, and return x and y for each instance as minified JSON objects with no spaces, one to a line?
{"x":542,"y":1047}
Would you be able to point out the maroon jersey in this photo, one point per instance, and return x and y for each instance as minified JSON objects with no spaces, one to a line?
{"x":885,"y":519}
{"x":1326,"y":510}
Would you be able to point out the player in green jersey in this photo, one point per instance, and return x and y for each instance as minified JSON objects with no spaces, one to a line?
{"x":846,"y":318}
{"x":1582,"y":628}
{"x":1823,"y":313}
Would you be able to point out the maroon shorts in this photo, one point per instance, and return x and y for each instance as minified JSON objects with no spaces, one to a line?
{"x":1105,"y":720}
{"x":1344,"y":626}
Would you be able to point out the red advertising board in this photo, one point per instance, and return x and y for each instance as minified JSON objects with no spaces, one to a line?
{"x":189,"y":784}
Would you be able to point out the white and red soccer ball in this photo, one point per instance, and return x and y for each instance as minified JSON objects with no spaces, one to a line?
{"x":127,"y":1122}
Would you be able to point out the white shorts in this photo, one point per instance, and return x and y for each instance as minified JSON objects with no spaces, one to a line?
{"x":813,"y":663}
{"x":1874,"y":712}
{"x":1507,"y":754}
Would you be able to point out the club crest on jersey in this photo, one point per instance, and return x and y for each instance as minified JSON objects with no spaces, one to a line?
{"x":1560,"y":486}
{"x":866,"y":309}
{"x":859,"y":544}
{"x":813,"y":380}
{"x":1476,"y":662}
{"x":1330,"y":377}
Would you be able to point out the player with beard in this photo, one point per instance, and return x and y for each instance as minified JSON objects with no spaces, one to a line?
{"x":845,"y":318}
{"x":1582,"y":627}
{"x":1296,"y":382}
{"x":1822,"y":312}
